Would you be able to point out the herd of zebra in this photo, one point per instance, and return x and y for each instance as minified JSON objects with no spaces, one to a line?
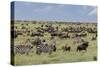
{"x":43,"y":47}
{"x":40,"y":47}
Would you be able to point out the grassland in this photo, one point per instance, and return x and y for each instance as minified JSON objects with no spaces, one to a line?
{"x":59,"y":56}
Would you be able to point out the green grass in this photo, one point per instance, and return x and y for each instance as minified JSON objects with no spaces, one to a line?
{"x":59,"y":56}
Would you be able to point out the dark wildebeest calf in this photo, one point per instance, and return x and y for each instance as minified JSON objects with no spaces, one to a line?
{"x":83,"y":46}
{"x":66,"y":48}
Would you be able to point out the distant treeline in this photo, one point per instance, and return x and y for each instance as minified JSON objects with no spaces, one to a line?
{"x":59,"y":22}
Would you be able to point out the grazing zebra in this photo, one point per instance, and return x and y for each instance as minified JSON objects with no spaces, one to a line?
{"x":22,"y":49}
{"x":43,"y":49}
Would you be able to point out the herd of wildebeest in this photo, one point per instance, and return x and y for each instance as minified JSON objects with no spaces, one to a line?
{"x":62,"y":30}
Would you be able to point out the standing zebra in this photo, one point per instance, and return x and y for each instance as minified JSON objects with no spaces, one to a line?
{"x":22,"y":49}
{"x":43,"y":48}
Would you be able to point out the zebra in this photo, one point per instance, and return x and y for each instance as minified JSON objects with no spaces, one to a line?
{"x":22,"y":49}
{"x":44,"y":49}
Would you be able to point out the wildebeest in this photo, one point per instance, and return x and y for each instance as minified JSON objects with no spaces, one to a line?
{"x":50,"y":29}
{"x":94,"y":37}
{"x":36,"y":34}
{"x":78,"y":40}
{"x":22,"y":49}
{"x":83,"y":46}
{"x":80,"y":35}
{"x":64,"y":35}
{"x":54,"y":34}
{"x":66,"y":48}
{"x":90,"y":30}
{"x":94,"y":58}
{"x":53,"y":47}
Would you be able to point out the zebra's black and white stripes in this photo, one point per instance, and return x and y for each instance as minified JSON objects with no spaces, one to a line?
{"x":22,"y":49}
